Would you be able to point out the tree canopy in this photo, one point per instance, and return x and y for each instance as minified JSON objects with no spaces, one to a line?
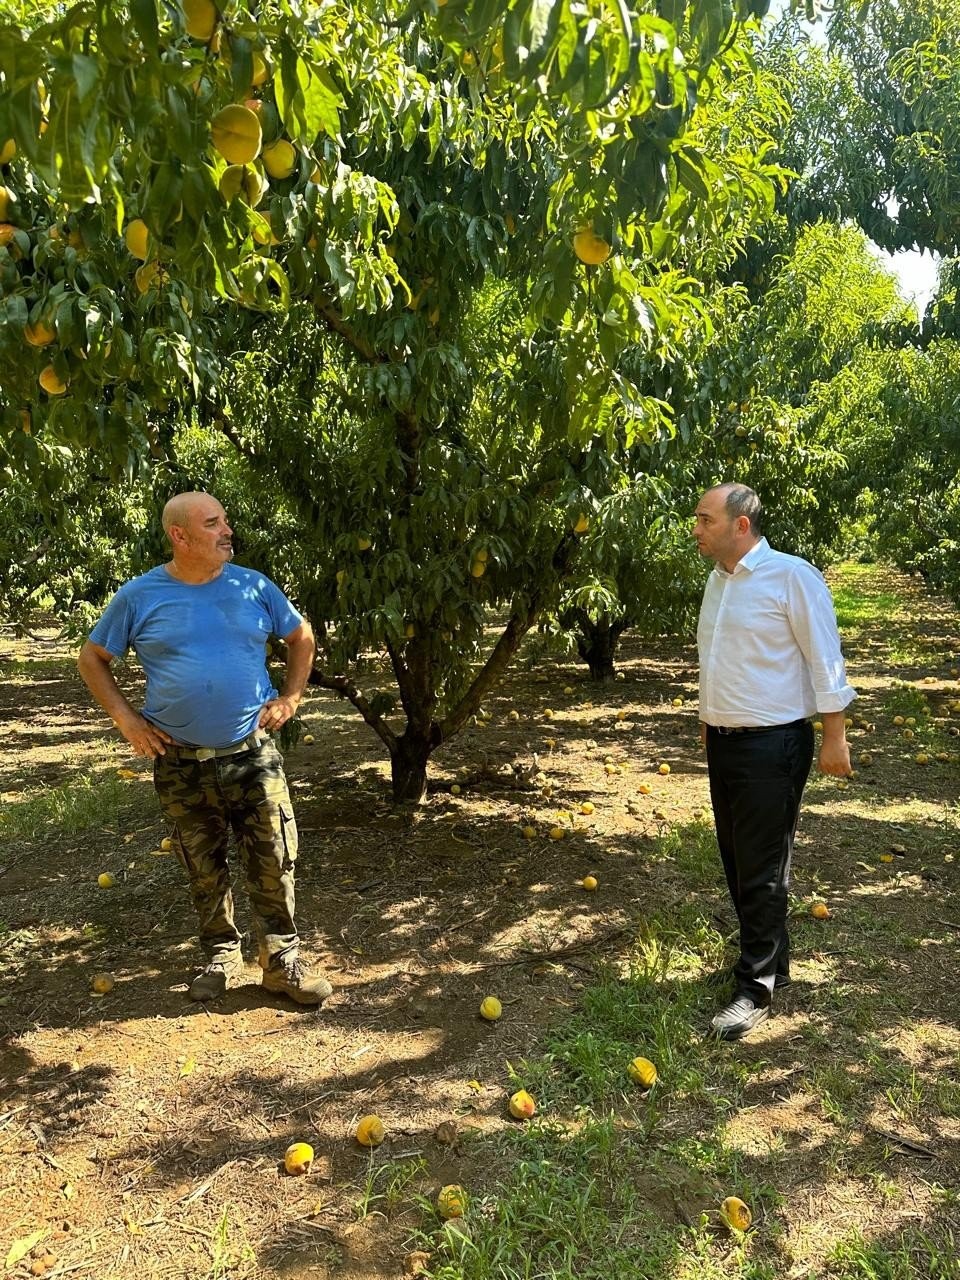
{"x":458,"y":305}
{"x":409,"y":263}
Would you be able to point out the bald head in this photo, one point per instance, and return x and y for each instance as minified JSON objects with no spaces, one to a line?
{"x":199,"y":535}
{"x":181,"y":507}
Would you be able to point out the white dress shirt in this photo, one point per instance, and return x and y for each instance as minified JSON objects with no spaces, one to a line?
{"x":769,"y":644}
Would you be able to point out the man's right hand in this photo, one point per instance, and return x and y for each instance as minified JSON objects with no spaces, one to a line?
{"x":834,"y":756}
{"x":93,"y":664}
{"x":145,"y":738}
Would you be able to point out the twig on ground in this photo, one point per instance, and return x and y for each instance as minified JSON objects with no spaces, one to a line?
{"x":528,"y":957}
{"x":204,"y":1186}
{"x":906,"y":1145}
{"x":303,"y":1105}
{"x":459,"y":924}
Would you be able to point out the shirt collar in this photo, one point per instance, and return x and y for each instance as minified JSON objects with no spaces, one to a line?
{"x":755,"y":556}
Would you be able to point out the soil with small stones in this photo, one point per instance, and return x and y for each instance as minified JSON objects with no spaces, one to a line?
{"x":143,"y":1134}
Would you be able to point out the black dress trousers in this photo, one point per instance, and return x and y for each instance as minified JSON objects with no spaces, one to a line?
{"x":756,"y":781}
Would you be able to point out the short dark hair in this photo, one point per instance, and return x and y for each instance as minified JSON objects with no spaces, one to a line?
{"x":743,"y":501}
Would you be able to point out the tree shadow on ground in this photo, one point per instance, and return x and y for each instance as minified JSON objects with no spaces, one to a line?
{"x":419,"y":916}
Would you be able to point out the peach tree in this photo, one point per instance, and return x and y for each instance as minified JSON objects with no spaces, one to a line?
{"x":394,"y":266}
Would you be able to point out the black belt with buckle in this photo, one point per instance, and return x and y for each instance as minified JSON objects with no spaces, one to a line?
{"x":249,"y":743}
{"x":758,"y":728}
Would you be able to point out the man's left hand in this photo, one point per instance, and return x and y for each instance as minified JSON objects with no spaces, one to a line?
{"x":834,"y":759}
{"x":277,"y":712}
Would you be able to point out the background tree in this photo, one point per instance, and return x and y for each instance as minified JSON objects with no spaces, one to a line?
{"x":753,"y":402}
{"x":874,"y":139}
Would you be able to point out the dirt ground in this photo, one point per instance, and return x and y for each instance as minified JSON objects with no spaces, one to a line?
{"x":142,"y":1134}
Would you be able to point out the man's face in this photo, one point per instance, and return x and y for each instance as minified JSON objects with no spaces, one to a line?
{"x":207,"y":536}
{"x":714,"y":529}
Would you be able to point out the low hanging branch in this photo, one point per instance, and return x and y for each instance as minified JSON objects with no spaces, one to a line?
{"x":520,"y":622}
{"x":345,"y":687}
{"x":336,"y":323}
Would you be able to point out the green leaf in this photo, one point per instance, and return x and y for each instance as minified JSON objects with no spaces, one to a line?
{"x":144,"y":16}
{"x":690,"y":172}
{"x":241,"y":64}
{"x":286,"y":86}
{"x":161,"y":201}
{"x":321,"y":100}
{"x":538,"y":27}
{"x":20,"y":1248}
{"x":86,"y":72}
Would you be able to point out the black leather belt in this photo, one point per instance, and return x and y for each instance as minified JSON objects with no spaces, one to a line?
{"x":249,"y":743}
{"x":759,"y":728}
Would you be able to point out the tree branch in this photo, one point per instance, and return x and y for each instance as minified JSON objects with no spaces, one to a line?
{"x":347,"y":689}
{"x":491,"y":671}
{"x":519,"y":623}
{"x":225,"y":427}
{"x":404,"y":681}
{"x":39,"y":551}
{"x":339,"y":326}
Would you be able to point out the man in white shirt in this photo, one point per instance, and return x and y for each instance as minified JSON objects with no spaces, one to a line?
{"x":769,"y":659}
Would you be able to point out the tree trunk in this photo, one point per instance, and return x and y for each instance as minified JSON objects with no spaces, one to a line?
{"x":597,"y":645}
{"x":408,"y":766}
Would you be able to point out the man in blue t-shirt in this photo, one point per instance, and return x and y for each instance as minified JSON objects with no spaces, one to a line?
{"x":200,"y":626}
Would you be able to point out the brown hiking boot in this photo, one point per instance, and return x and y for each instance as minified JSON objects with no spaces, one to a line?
{"x":212,"y":982}
{"x":290,"y":978}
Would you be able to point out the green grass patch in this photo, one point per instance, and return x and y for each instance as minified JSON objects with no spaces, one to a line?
{"x":857,"y":608}
{"x":387,"y":1185}
{"x":29,"y":668}
{"x":610,"y":1179}
{"x":92,"y":800}
{"x":658,"y":1011}
{"x":860,"y":604}
{"x":913,"y":1255}
{"x":693,"y":849}
{"x":602,"y":1202}
{"x":906,"y":700}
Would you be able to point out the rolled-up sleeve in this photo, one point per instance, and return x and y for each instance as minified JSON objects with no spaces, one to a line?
{"x":814,"y":623}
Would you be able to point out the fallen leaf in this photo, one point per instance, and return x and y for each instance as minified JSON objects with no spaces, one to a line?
{"x":20,"y":1248}
{"x":187,"y":1068}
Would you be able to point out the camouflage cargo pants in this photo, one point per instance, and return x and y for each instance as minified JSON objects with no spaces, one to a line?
{"x":246,"y":793}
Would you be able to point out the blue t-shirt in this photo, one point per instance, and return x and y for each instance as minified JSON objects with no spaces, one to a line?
{"x":203,"y":648}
